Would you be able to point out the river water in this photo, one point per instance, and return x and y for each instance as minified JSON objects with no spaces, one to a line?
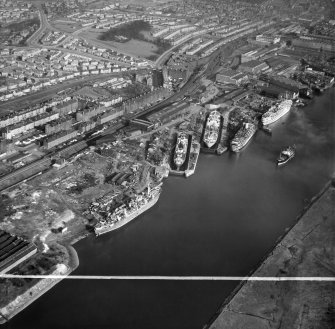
{"x":220,"y":221}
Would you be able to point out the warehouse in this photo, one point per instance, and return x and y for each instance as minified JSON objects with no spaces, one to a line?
{"x":13,"y":251}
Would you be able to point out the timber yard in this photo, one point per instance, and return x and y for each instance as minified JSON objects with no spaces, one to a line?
{"x":91,"y":130}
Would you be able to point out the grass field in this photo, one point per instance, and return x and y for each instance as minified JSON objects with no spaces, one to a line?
{"x":19,"y":26}
{"x":67,"y":27}
{"x":137,"y":47}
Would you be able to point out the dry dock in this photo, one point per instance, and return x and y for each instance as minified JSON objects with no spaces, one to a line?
{"x":181,"y":171}
{"x":214,"y":148}
{"x":307,"y":250}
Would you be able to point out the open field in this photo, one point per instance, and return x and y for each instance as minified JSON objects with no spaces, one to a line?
{"x":64,"y":26}
{"x":133,"y":47}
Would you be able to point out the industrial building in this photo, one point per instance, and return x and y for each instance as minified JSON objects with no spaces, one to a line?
{"x":67,"y":107}
{"x":59,"y":138}
{"x":23,"y":127}
{"x":110,"y":115}
{"x":13,"y":251}
{"x":59,"y":125}
{"x":267,"y":39}
{"x":87,"y":114}
{"x":253,"y":66}
{"x":230,"y":77}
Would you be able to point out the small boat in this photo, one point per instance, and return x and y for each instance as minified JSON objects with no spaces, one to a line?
{"x":286,"y":155}
{"x":267,"y":130}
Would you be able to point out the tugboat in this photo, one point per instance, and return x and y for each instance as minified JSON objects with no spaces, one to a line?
{"x":286,"y":155}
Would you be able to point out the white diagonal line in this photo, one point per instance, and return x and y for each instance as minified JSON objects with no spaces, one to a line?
{"x":167,"y":278}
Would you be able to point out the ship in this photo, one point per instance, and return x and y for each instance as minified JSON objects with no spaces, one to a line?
{"x":180,"y":150}
{"x":286,"y":155}
{"x":243,"y":136}
{"x":126,"y":212}
{"x":212,"y":128}
{"x":276,"y":112}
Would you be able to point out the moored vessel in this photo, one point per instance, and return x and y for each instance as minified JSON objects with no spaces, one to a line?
{"x":212,"y":127}
{"x":180,"y":150}
{"x":243,"y":136}
{"x":286,"y":155}
{"x":276,"y":112}
{"x":112,"y":219}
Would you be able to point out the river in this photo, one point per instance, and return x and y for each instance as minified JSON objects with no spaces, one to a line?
{"x":220,"y":221}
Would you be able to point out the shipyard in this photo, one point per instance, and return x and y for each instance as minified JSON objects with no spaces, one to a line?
{"x":103,"y":108}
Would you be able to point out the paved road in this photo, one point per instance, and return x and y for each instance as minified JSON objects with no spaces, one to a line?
{"x":33,"y":40}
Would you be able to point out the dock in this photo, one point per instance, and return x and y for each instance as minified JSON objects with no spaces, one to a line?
{"x":188,"y":168}
{"x":214,"y":148}
{"x":194,"y":155}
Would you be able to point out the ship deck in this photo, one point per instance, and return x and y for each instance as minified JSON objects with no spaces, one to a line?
{"x":214,"y":148}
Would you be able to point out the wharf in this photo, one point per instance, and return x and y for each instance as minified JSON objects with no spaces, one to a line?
{"x":223,"y":144}
{"x":194,"y":155}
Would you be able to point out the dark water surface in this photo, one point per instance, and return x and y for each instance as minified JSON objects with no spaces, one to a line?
{"x":221,"y":221}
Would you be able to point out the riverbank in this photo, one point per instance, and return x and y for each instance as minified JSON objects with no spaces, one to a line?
{"x":305,"y":251}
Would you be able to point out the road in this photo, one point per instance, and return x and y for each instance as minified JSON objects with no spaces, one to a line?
{"x":33,"y":40}
{"x":163,"y":58}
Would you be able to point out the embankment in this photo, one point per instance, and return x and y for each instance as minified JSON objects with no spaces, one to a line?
{"x":306,"y":250}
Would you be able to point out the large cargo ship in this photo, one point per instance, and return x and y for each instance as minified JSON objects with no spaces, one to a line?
{"x":126,"y":212}
{"x":180,"y":150}
{"x":243,"y":136}
{"x":276,"y":112}
{"x":212,"y":128}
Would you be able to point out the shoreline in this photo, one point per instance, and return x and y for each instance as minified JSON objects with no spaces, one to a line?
{"x":44,"y":285}
{"x":73,"y":263}
{"x":225,"y":306}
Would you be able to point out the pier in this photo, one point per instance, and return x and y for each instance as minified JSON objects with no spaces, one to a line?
{"x":193,"y":159}
{"x":224,"y":138}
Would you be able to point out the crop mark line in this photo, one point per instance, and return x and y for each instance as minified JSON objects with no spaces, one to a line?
{"x":167,"y":278}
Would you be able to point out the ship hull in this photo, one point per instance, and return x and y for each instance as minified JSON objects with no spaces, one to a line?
{"x":108,"y":227}
{"x":180,"y":154}
{"x":282,"y":162}
{"x":211,"y":134}
{"x":240,"y":146}
{"x":267,"y":120}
